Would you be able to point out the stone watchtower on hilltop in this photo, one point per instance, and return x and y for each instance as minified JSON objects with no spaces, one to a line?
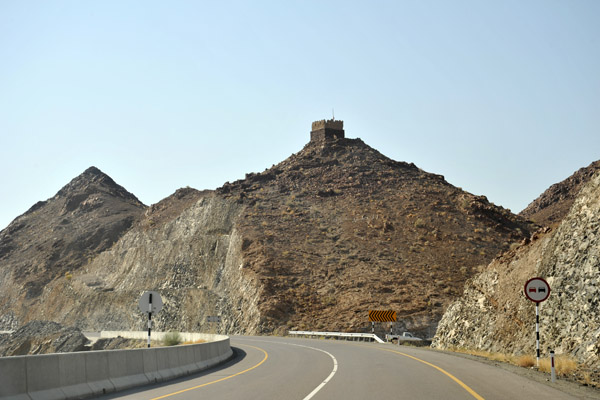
{"x":327,"y":130}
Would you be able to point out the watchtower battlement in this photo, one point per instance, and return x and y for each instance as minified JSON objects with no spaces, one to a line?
{"x":327,"y":130}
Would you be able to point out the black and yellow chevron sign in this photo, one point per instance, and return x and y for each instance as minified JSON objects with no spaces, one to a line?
{"x":382,"y":316}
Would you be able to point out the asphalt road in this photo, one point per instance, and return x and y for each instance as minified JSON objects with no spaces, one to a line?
{"x":288,"y":368}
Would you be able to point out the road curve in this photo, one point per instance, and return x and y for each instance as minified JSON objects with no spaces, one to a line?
{"x":307,"y":369}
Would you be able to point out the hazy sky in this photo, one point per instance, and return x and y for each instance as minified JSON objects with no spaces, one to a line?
{"x":500,"y":97}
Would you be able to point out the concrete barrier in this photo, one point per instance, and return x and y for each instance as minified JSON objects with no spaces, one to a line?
{"x":72,"y":373}
{"x":13,"y":378}
{"x":83,"y":374}
{"x":43,"y":377}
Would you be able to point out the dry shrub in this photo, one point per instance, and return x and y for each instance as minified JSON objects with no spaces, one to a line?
{"x":563,"y":364}
{"x":501,"y":357}
{"x":525,"y":361}
{"x":172,"y":339}
{"x":587,"y":379}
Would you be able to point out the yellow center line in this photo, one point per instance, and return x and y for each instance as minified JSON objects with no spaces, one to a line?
{"x":222,"y":379}
{"x":448,"y":374}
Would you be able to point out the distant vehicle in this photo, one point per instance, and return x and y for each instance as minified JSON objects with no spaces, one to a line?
{"x":406,"y":336}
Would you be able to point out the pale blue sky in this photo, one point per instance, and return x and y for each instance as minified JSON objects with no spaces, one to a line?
{"x":500,"y":97}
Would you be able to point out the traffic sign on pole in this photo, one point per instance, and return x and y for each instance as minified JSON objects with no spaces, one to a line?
{"x":146,"y":305}
{"x":382,"y":316}
{"x":150,"y":302}
{"x":537,"y":290}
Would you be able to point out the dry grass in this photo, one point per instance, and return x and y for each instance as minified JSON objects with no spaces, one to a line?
{"x":195,"y":342}
{"x":525,"y":361}
{"x":501,"y":357}
{"x":563,"y":364}
{"x":587,"y":379}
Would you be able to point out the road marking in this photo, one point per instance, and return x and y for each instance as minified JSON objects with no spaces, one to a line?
{"x":335,"y":367}
{"x":318,"y":388}
{"x":455,"y":379}
{"x":219,"y":380}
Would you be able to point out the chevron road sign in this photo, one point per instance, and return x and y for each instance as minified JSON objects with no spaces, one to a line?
{"x":382,"y":316}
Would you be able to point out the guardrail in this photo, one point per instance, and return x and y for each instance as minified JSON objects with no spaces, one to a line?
{"x":92,"y":373}
{"x":345,"y":335}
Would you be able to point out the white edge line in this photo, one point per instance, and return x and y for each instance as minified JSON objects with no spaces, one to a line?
{"x":335,"y":365}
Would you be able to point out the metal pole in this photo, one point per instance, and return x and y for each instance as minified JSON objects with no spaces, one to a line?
{"x":553,"y":370}
{"x":149,"y":318}
{"x":537,"y":333}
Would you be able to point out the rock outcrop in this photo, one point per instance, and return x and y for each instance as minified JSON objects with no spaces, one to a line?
{"x":494,"y":314}
{"x":551,"y":206}
{"x":42,"y":337}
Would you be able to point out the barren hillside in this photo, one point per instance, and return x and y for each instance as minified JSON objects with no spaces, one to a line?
{"x":311,"y":243}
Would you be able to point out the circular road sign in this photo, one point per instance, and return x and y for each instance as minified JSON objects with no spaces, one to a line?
{"x":537,"y":290}
{"x":144,"y":303}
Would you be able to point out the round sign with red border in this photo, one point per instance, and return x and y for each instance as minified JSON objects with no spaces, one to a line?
{"x":537,"y":290}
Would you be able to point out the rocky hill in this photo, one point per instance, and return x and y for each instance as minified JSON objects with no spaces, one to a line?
{"x":551,"y":207}
{"x":311,"y":243}
{"x":338,"y":229}
{"x":494,"y":314}
{"x":56,"y":237}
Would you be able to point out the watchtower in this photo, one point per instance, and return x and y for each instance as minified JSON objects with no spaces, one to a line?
{"x":327,"y":130}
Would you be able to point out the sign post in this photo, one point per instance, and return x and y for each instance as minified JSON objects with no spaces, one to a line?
{"x":150,"y":303}
{"x":537,"y":290}
{"x":382,"y":316}
{"x":552,"y":369}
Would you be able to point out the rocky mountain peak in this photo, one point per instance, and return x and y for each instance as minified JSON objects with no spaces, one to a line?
{"x":91,"y":181}
{"x":551,"y":206}
{"x":60,"y":234}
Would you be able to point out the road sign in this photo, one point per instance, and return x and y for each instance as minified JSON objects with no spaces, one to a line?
{"x":537,"y":290}
{"x":148,"y":298}
{"x":214,"y":319}
{"x":382,"y":316}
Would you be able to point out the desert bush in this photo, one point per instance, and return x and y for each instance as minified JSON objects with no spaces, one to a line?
{"x":172,"y":339}
{"x":525,"y":361}
{"x":563,"y":364}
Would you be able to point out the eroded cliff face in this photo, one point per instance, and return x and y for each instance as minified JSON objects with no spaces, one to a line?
{"x":494,"y":315}
{"x":193,"y":261}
